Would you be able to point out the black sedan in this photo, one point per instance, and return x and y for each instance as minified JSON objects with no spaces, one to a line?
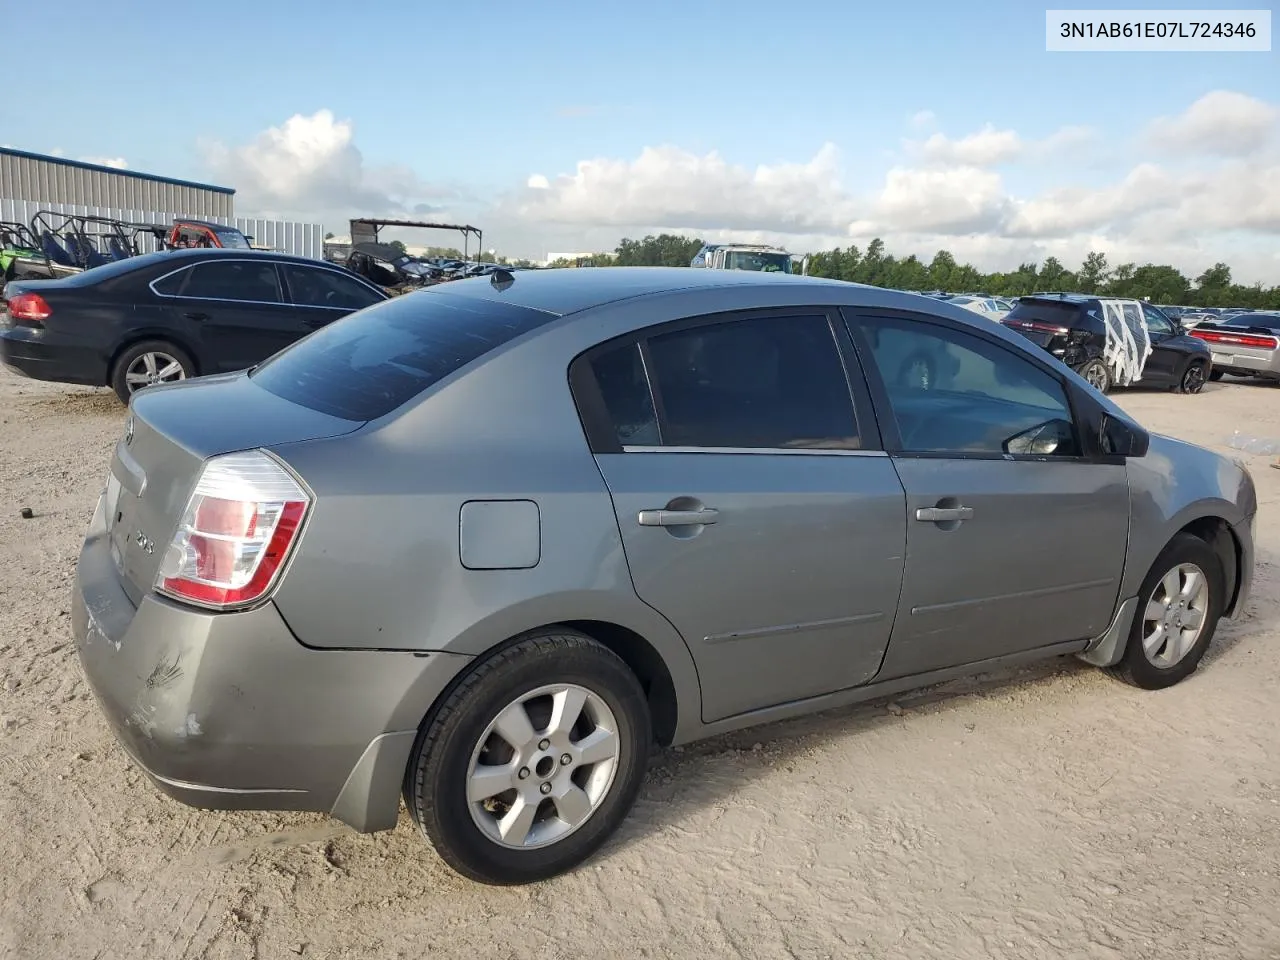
{"x":172,"y":315}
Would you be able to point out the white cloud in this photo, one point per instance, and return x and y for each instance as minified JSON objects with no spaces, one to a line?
{"x":309,"y":167}
{"x":118,"y":163}
{"x":670,"y":186}
{"x":985,"y":148}
{"x":922,"y":119}
{"x":1221,"y":122}
{"x":962,"y":199}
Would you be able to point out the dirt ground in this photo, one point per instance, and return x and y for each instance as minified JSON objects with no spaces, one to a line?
{"x":1041,"y":812}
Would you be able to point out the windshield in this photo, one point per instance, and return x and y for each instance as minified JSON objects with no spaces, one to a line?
{"x":233,"y":240}
{"x":754,"y":260}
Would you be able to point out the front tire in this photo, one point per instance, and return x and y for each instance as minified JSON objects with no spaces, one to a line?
{"x":1097,"y":375}
{"x":1179,"y":605}
{"x":148,"y":363}
{"x":1193,"y":378}
{"x":532,"y":761}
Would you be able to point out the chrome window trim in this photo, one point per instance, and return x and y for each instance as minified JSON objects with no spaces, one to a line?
{"x":771,"y":451}
{"x":264,"y":303}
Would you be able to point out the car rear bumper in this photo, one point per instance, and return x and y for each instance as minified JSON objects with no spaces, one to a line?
{"x":230,"y":711}
{"x":30,"y":352}
{"x":1263,"y":363}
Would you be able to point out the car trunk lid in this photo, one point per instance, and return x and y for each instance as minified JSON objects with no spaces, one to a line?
{"x":170,"y":434}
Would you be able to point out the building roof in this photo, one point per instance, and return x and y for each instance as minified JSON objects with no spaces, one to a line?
{"x":81,"y":165}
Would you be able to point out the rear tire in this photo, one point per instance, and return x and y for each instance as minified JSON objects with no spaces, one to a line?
{"x":1097,"y":375}
{"x":1160,"y":652}
{"x":517,"y":695}
{"x":146,"y":363}
{"x":1216,"y":375}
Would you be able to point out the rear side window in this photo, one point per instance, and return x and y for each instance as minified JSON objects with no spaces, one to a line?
{"x":243,"y":280}
{"x":369,"y":363}
{"x":770,"y":383}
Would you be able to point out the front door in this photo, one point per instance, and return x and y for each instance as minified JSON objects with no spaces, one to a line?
{"x":241,"y":313}
{"x":757,"y":513}
{"x":1162,"y":365}
{"x":1014,"y":540}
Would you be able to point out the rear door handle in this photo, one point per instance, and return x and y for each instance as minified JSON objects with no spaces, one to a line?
{"x":943,"y":514}
{"x":196,"y":316}
{"x":677,"y":518}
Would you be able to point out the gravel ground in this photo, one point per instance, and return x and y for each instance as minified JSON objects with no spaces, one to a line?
{"x":1041,"y":812}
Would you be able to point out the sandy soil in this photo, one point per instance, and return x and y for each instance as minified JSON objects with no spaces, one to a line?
{"x":1043,"y":812}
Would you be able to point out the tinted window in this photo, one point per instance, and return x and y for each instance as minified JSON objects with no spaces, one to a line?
{"x":956,"y":393}
{"x":369,"y":363}
{"x":625,"y":391}
{"x":768,"y":383}
{"x":1268,"y":320}
{"x":235,"y":280}
{"x":314,"y":287}
{"x":1047,"y":312}
{"x":172,"y":284}
{"x":1156,"y":321}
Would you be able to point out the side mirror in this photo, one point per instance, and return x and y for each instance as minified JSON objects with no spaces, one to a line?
{"x":1042,"y":440}
{"x":1123,"y":438}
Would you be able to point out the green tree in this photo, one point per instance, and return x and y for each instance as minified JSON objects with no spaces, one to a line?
{"x":664,"y":250}
{"x":1159,"y":284}
{"x":1094,"y":273}
{"x":1054,"y":277}
{"x":1214,"y":285}
{"x":942,"y":271}
{"x":328,"y":236}
{"x":399,"y":246}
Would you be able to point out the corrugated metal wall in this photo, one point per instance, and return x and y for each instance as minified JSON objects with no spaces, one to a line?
{"x":299,"y":239}
{"x":47,"y":181}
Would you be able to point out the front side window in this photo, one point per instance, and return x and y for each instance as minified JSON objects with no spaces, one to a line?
{"x":769,"y":383}
{"x":952,"y":392}
{"x":1156,"y":321}
{"x":312,"y":287}
{"x":249,"y":281}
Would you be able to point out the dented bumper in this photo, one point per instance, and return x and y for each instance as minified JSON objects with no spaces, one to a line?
{"x":231,"y":711}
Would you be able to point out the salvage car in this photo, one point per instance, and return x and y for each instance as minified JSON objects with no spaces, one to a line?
{"x":1113,"y":342}
{"x":486,"y":544}
{"x":1243,"y":345}
{"x":167,"y":316}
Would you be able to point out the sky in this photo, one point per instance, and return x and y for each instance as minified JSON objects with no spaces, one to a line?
{"x":567,"y":126}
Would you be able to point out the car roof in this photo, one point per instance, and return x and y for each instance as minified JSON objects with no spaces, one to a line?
{"x":571,"y":290}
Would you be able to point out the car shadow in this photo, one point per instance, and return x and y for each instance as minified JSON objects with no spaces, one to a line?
{"x":678,"y":783}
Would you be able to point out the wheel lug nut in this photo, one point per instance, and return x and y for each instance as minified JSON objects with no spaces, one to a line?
{"x":545,"y":788}
{"x":543,"y":744}
{"x":524,"y":773}
{"x":565,"y":759}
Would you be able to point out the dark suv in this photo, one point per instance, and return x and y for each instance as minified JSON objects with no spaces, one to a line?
{"x":1074,"y":329}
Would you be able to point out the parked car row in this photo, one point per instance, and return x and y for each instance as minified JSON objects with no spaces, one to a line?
{"x":483,"y":546}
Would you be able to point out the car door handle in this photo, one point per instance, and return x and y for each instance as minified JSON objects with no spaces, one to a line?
{"x":943,"y":514}
{"x":196,"y":316}
{"x":677,"y":518}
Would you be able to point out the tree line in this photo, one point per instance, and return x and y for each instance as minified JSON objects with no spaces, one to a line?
{"x":1159,"y":283}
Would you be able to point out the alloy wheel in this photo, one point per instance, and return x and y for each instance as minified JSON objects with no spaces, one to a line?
{"x":1193,"y":379}
{"x":1175,"y":615}
{"x":543,"y":766}
{"x":149,"y":369}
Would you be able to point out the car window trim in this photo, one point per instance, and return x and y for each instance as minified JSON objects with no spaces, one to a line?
{"x":324,"y":268}
{"x":1090,"y":452}
{"x":275,"y":264}
{"x":598,"y":425}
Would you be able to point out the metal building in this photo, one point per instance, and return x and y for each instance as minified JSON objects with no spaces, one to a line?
{"x":30,"y":182}
{"x":55,"y":180}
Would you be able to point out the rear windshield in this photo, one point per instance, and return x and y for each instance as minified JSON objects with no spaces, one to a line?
{"x":369,"y":363}
{"x":1040,"y":311}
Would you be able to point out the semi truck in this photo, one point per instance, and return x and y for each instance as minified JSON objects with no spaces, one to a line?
{"x":747,"y":256}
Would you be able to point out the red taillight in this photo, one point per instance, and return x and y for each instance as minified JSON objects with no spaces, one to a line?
{"x":30,"y":307}
{"x":1236,"y":339}
{"x":240,"y":524}
{"x":1049,"y":328}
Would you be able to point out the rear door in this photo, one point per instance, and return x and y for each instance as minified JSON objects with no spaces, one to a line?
{"x":1011,"y":544}
{"x":240,"y":310}
{"x":757,"y":511}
